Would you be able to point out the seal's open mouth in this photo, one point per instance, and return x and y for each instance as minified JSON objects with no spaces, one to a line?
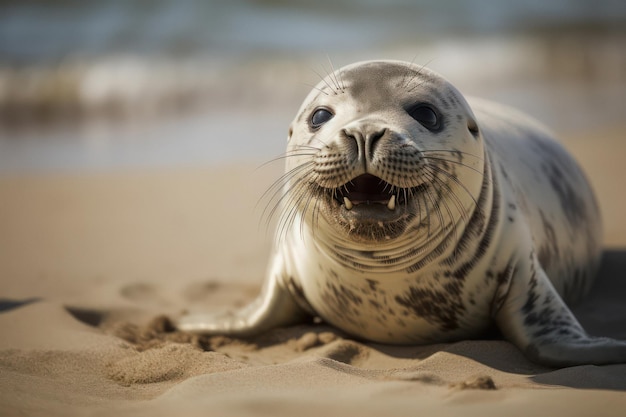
{"x":369,"y":189}
{"x":370,"y":209}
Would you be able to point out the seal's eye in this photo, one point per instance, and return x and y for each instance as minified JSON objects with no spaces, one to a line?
{"x":319,"y":117}
{"x":426,"y":116}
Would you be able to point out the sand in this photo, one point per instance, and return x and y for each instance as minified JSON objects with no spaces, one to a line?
{"x":92,"y":264}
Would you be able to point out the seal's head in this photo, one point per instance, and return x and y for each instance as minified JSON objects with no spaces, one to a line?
{"x":380,"y":149}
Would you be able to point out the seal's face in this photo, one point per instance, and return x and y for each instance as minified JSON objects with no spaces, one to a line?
{"x":376,"y":150}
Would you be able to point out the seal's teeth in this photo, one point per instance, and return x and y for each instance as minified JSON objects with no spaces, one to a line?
{"x":391,"y":205}
{"x":348,"y":203}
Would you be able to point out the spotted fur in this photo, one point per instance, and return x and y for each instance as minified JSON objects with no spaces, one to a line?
{"x":408,"y":216}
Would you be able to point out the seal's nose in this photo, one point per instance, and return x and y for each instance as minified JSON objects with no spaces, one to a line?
{"x":366,"y":137}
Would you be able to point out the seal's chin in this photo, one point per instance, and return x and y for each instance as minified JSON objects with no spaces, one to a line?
{"x":368,"y":208}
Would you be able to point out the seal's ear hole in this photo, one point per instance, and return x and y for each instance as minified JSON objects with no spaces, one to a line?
{"x":290,"y":133}
{"x":472,"y":127}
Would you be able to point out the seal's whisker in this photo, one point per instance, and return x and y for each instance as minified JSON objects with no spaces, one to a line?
{"x":304,"y":147}
{"x":293,"y":204}
{"x":280,"y":194}
{"x":315,"y":88}
{"x":315,"y":198}
{"x":285,"y":219}
{"x":436,"y":184}
{"x":430,"y":208}
{"x":456,"y":201}
{"x":283,"y":157}
{"x":436,"y":208}
{"x":423,"y":195}
{"x":335,"y":75}
{"x":341,"y":81}
{"x":458,"y":154}
{"x":453,"y":222}
{"x":305,"y":209}
{"x":417,"y":85}
{"x":302,"y":150}
{"x":416,"y":73}
{"x":419,"y":206}
{"x":316,"y":214}
{"x":451,"y":151}
{"x":442,"y":160}
{"x":325,"y":82}
{"x":298,"y":201}
{"x":454,"y":178}
{"x":409,"y":73}
{"x":329,"y":76}
{"x":278,"y":185}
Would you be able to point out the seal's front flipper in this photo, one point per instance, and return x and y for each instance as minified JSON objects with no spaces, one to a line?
{"x":532,"y":315}
{"x":274,"y":307}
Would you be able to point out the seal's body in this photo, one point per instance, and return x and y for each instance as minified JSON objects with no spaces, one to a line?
{"x":410,"y":217}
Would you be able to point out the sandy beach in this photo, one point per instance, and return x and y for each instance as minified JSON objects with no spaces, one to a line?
{"x":91,"y":264}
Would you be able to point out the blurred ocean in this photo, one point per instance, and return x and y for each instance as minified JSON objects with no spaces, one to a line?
{"x":128,"y":83}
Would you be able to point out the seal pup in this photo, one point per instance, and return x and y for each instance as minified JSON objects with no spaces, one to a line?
{"x":408,"y":217}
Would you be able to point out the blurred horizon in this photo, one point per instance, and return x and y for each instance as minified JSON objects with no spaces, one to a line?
{"x":37,"y":31}
{"x":98,"y":84}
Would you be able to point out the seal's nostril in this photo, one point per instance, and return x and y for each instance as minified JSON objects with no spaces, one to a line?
{"x":353,"y":137}
{"x":373,"y":138}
